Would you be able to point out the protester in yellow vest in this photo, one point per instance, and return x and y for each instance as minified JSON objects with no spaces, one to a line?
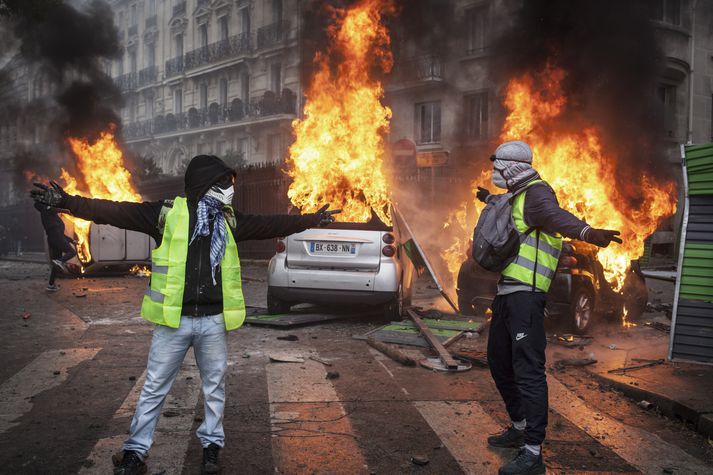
{"x":195,"y":294}
{"x":516,"y":341}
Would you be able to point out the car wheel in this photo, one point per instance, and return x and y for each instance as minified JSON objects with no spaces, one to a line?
{"x":276,"y":305}
{"x":394,"y":310}
{"x":582,"y":310}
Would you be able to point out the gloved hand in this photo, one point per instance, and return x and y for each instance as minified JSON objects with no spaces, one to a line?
{"x":52,"y":195}
{"x":323,"y":217}
{"x":483,"y":194}
{"x":601,"y":237}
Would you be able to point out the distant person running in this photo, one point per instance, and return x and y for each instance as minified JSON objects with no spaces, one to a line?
{"x":60,"y":246}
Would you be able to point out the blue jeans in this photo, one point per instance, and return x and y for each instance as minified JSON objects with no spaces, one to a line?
{"x":207,"y":336}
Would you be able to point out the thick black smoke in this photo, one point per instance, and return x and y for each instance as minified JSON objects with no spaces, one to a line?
{"x":609,"y":51}
{"x":71,"y":43}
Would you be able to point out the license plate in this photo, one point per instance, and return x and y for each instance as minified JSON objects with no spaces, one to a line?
{"x":332,"y":248}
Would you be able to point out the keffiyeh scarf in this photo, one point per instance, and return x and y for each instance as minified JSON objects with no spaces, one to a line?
{"x":210,"y":209}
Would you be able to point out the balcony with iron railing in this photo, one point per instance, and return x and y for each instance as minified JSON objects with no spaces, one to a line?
{"x":147,"y":76}
{"x":179,"y":9}
{"x":126,"y":82}
{"x":174,"y":66}
{"x":151,"y":21}
{"x":232,"y":47}
{"x":272,"y":35}
{"x":269,"y":105}
{"x":418,"y":69}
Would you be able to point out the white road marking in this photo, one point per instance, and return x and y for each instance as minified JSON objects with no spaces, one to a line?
{"x":173,"y":434}
{"x":36,"y":377}
{"x":644,"y":450}
{"x":311,"y":431}
{"x":464,"y":427}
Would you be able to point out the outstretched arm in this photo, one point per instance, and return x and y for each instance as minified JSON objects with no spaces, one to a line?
{"x":250,"y":226}
{"x":141,"y":217}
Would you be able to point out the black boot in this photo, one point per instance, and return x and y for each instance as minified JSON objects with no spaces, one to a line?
{"x":510,"y":438}
{"x":131,"y":464}
{"x":526,"y":463}
{"x":210,"y":459}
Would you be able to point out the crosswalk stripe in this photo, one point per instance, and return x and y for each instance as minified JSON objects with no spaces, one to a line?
{"x":48,"y":370}
{"x":173,"y":434}
{"x":311,"y":431}
{"x":463,"y":427}
{"x":644,"y":450}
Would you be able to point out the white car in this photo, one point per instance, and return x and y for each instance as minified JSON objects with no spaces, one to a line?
{"x":342,"y":264}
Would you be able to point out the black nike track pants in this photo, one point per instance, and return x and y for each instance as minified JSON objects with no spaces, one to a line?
{"x":516,"y":355}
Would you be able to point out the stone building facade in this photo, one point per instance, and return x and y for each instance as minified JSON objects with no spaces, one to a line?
{"x":208,"y":76}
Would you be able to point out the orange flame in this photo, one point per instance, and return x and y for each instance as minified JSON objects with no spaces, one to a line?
{"x":581,"y":171}
{"x":337,"y":154}
{"x":101,"y":165}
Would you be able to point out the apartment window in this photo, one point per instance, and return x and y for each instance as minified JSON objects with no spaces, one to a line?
{"x":224,"y":92}
{"x":203,"y":33}
{"x":245,"y":87}
{"x":477,"y":115}
{"x":276,"y":78}
{"x":428,"y":122}
{"x":150,"y":108}
{"x":667,"y":97}
{"x":151,"y":54}
{"x":132,"y":61}
{"x":178,"y":42}
{"x":134,"y":15}
{"x":204,"y":96}
{"x":178,"y":101}
{"x":667,"y":11}
{"x":276,"y":11}
{"x":243,"y":148}
{"x":476,"y":20}
{"x":223,"y":22}
{"x":120,"y":66}
{"x":120,"y":20}
{"x":152,"y":7}
{"x":245,"y":21}
{"x":274,"y":148}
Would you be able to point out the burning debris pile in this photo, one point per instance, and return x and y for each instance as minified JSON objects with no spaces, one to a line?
{"x":337,"y":154}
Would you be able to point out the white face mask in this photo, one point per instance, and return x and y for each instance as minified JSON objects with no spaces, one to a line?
{"x":224,"y":195}
{"x":498,"y":179}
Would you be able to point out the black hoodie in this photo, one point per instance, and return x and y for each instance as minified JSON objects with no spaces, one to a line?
{"x":200,"y":296}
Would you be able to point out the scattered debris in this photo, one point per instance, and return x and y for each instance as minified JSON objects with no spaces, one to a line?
{"x":659,"y":326}
{"x":80,"y":294}
{"x":171,"y":413}
{"x":26,"y":315}
{"x":332,"y":374}
{"x":62,"y":353}
{"x":391,"y":352}
{"x":288,"y":338}
{"x":419,"y":460}
{"x":648,"y":364}
{"x":132,"y":378}
{"x":246,"y":355}
{"x":198,"y":419}
{"x":569,"y":340}
{"x":478,"y":358}
{"x":318,"y":360}
{"x":612,"y":346}
{"x":435,"y":343}
{"x":436,"y":364}
{"x":645,"y":404}
{"x":286,"y":358}
{"x":561,"y":363}
{"x":55,"y":373}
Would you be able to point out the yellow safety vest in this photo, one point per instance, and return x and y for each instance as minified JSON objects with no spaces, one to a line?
{"x":536,"y":261}
{"x":163,"y":301}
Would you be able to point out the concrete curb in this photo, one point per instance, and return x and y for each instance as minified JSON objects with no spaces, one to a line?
{"x":702,"y":422}
{"x":32,"y":260}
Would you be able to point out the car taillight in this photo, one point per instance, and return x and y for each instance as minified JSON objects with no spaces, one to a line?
{"x":280,"y":246}
{"x":388,"y":238}
{"x":388,"y":250}
{"x":567,"y":261}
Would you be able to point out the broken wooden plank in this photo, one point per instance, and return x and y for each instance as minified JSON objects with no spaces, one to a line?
{"x":391,"y":352}
{"x":435,"y":343}
{"x":635,"y":367}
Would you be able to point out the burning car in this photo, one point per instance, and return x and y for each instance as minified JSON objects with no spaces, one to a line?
{"x":579,"y":295}
{"x":344,"y":263}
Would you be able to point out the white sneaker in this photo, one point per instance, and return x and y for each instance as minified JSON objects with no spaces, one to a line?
{"x":61,"y":265}
{"x":52,"y":288}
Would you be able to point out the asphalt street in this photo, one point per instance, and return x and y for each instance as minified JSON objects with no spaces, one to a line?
{"x":74,"y":361}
